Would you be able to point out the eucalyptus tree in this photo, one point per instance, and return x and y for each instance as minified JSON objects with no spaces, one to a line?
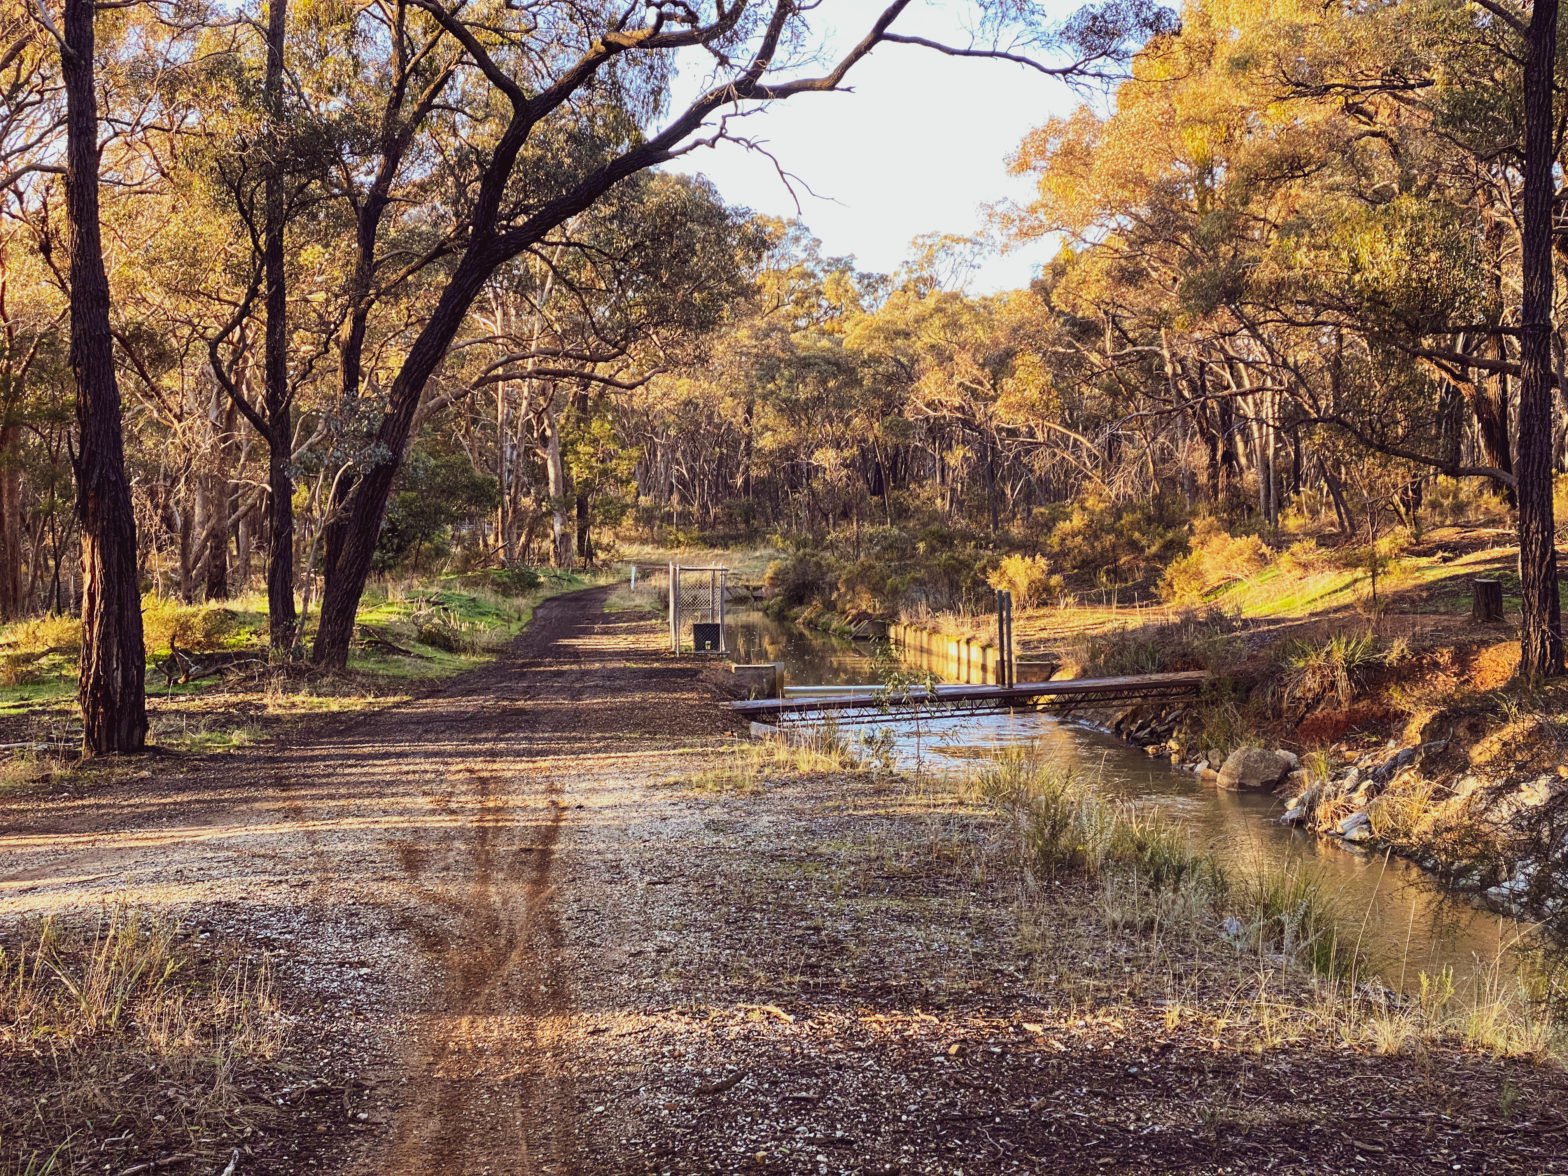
{"x":1543,"y":622}
{"x":552,"y":107}
{"x":628,"y":289}
{"x":111,"y":689}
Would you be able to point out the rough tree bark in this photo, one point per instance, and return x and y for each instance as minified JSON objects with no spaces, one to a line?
{"x":1488,"y":394}
{"x":277,"y":395}
{"x":349,"y":559}
{"x":1542,"y":637}
{"x":110,"y":685}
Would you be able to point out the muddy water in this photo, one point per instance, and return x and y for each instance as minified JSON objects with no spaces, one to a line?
{"x":1406,"y":923}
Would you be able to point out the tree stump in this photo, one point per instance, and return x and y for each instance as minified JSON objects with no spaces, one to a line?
{"x":1486,"y":601}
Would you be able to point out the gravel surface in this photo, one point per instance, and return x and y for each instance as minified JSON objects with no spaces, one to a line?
{"x":514,"y":940}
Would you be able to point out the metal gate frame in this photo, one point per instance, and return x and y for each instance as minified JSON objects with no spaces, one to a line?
{"x":697,"y":595}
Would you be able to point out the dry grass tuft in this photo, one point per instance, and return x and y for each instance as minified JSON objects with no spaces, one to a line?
{"x":1277,"y":942}
{"x":123,"y":1041}
{"x":752,"y":765}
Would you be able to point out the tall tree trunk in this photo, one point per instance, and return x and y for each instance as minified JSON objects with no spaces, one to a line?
{"x":110,"y":685}
{"x":584,"y":526}
{"x":242,"y":545}
{"x":559,"y":485}
{"x":215,"y":540}
{"x":1542,"y":637}
{"x":10,"y":523}
{"x":348,"y":561}
{"x":581,"y":408}
{"x":1488,"y":393}
{"x":281,"y":617}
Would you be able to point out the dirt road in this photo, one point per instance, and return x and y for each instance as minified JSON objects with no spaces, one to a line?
{"x":520,"y":943}
{"x":404,"y":869}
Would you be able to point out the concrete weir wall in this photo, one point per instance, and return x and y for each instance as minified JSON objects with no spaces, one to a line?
{"x":953,"y":659}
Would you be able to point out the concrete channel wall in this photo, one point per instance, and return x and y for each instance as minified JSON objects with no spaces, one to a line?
{"x":953,"y":659}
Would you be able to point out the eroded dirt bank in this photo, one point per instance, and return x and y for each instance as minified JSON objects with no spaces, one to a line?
{"x":517,"y":942}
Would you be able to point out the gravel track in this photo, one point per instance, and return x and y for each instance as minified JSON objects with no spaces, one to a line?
{"x":516,"y":942}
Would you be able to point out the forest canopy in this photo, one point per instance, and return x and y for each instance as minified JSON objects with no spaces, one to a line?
{"x":307,"y":292}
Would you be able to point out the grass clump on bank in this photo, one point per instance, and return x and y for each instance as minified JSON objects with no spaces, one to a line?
{"x":129,"y":1045}
{"x":1154,"y":884}
{"x":1064,"y":825}
{"x":817,"y":750}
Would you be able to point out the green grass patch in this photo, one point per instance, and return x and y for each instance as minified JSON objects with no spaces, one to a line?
{"x":442,"y":628}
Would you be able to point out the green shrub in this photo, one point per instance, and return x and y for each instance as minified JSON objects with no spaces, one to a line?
{"x":1304,"y":558}
{"x":1119,"y":542}
{"x":1214,"y":558}
{"x":19,"y":669}
{"x":1027,"y":577}
{"x":200,"y":627}
{"x":51,"y":633}
{"x":1317,"y":669}
{"x":799,"y":579}
{"x":1458,"y":501}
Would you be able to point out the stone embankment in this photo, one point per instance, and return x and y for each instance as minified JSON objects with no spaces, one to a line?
{"x":1415,"y":799}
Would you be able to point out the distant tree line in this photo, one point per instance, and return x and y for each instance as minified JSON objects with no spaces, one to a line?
{"x":254,"y":256}
{"x":1309,"y":253}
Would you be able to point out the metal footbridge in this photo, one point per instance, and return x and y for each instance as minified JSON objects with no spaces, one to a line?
{"x":866,"y":704}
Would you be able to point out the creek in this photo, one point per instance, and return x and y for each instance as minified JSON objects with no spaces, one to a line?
{"x":1406,"y":923}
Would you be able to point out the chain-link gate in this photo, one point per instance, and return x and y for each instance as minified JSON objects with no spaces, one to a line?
{"x":697,"y":607}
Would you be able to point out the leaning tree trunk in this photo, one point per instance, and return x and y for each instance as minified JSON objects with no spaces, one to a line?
{"x":1542,"y":637}
{"x":110,"y":686}
{"x":282,"y":620}
{"x":348,"y":562}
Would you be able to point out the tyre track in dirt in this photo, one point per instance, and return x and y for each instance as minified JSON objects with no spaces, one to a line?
{"x":402,"y":867}
{"x":486,"y":1077}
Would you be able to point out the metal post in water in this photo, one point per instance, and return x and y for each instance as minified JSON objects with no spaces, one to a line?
{"x":1001,"y":638}
{"x":1012,"y":652}
{"x":1007,"y":668}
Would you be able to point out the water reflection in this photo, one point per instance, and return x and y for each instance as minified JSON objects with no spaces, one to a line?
{"x":1405,"y":922}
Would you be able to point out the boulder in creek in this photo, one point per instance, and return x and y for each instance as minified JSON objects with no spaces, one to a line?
{"x":1250,"y":769}
{"x":1355,"y":828}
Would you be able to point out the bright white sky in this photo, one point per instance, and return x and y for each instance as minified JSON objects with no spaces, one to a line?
{"x":920,"y":146}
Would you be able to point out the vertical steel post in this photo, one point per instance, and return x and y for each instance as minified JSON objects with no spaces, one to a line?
{"x":724,"y":608}
{"x":675,"y":622}
{"x":1006,"y":668}
{"x":1012,"y":653}
{"x":1001,"y":639}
